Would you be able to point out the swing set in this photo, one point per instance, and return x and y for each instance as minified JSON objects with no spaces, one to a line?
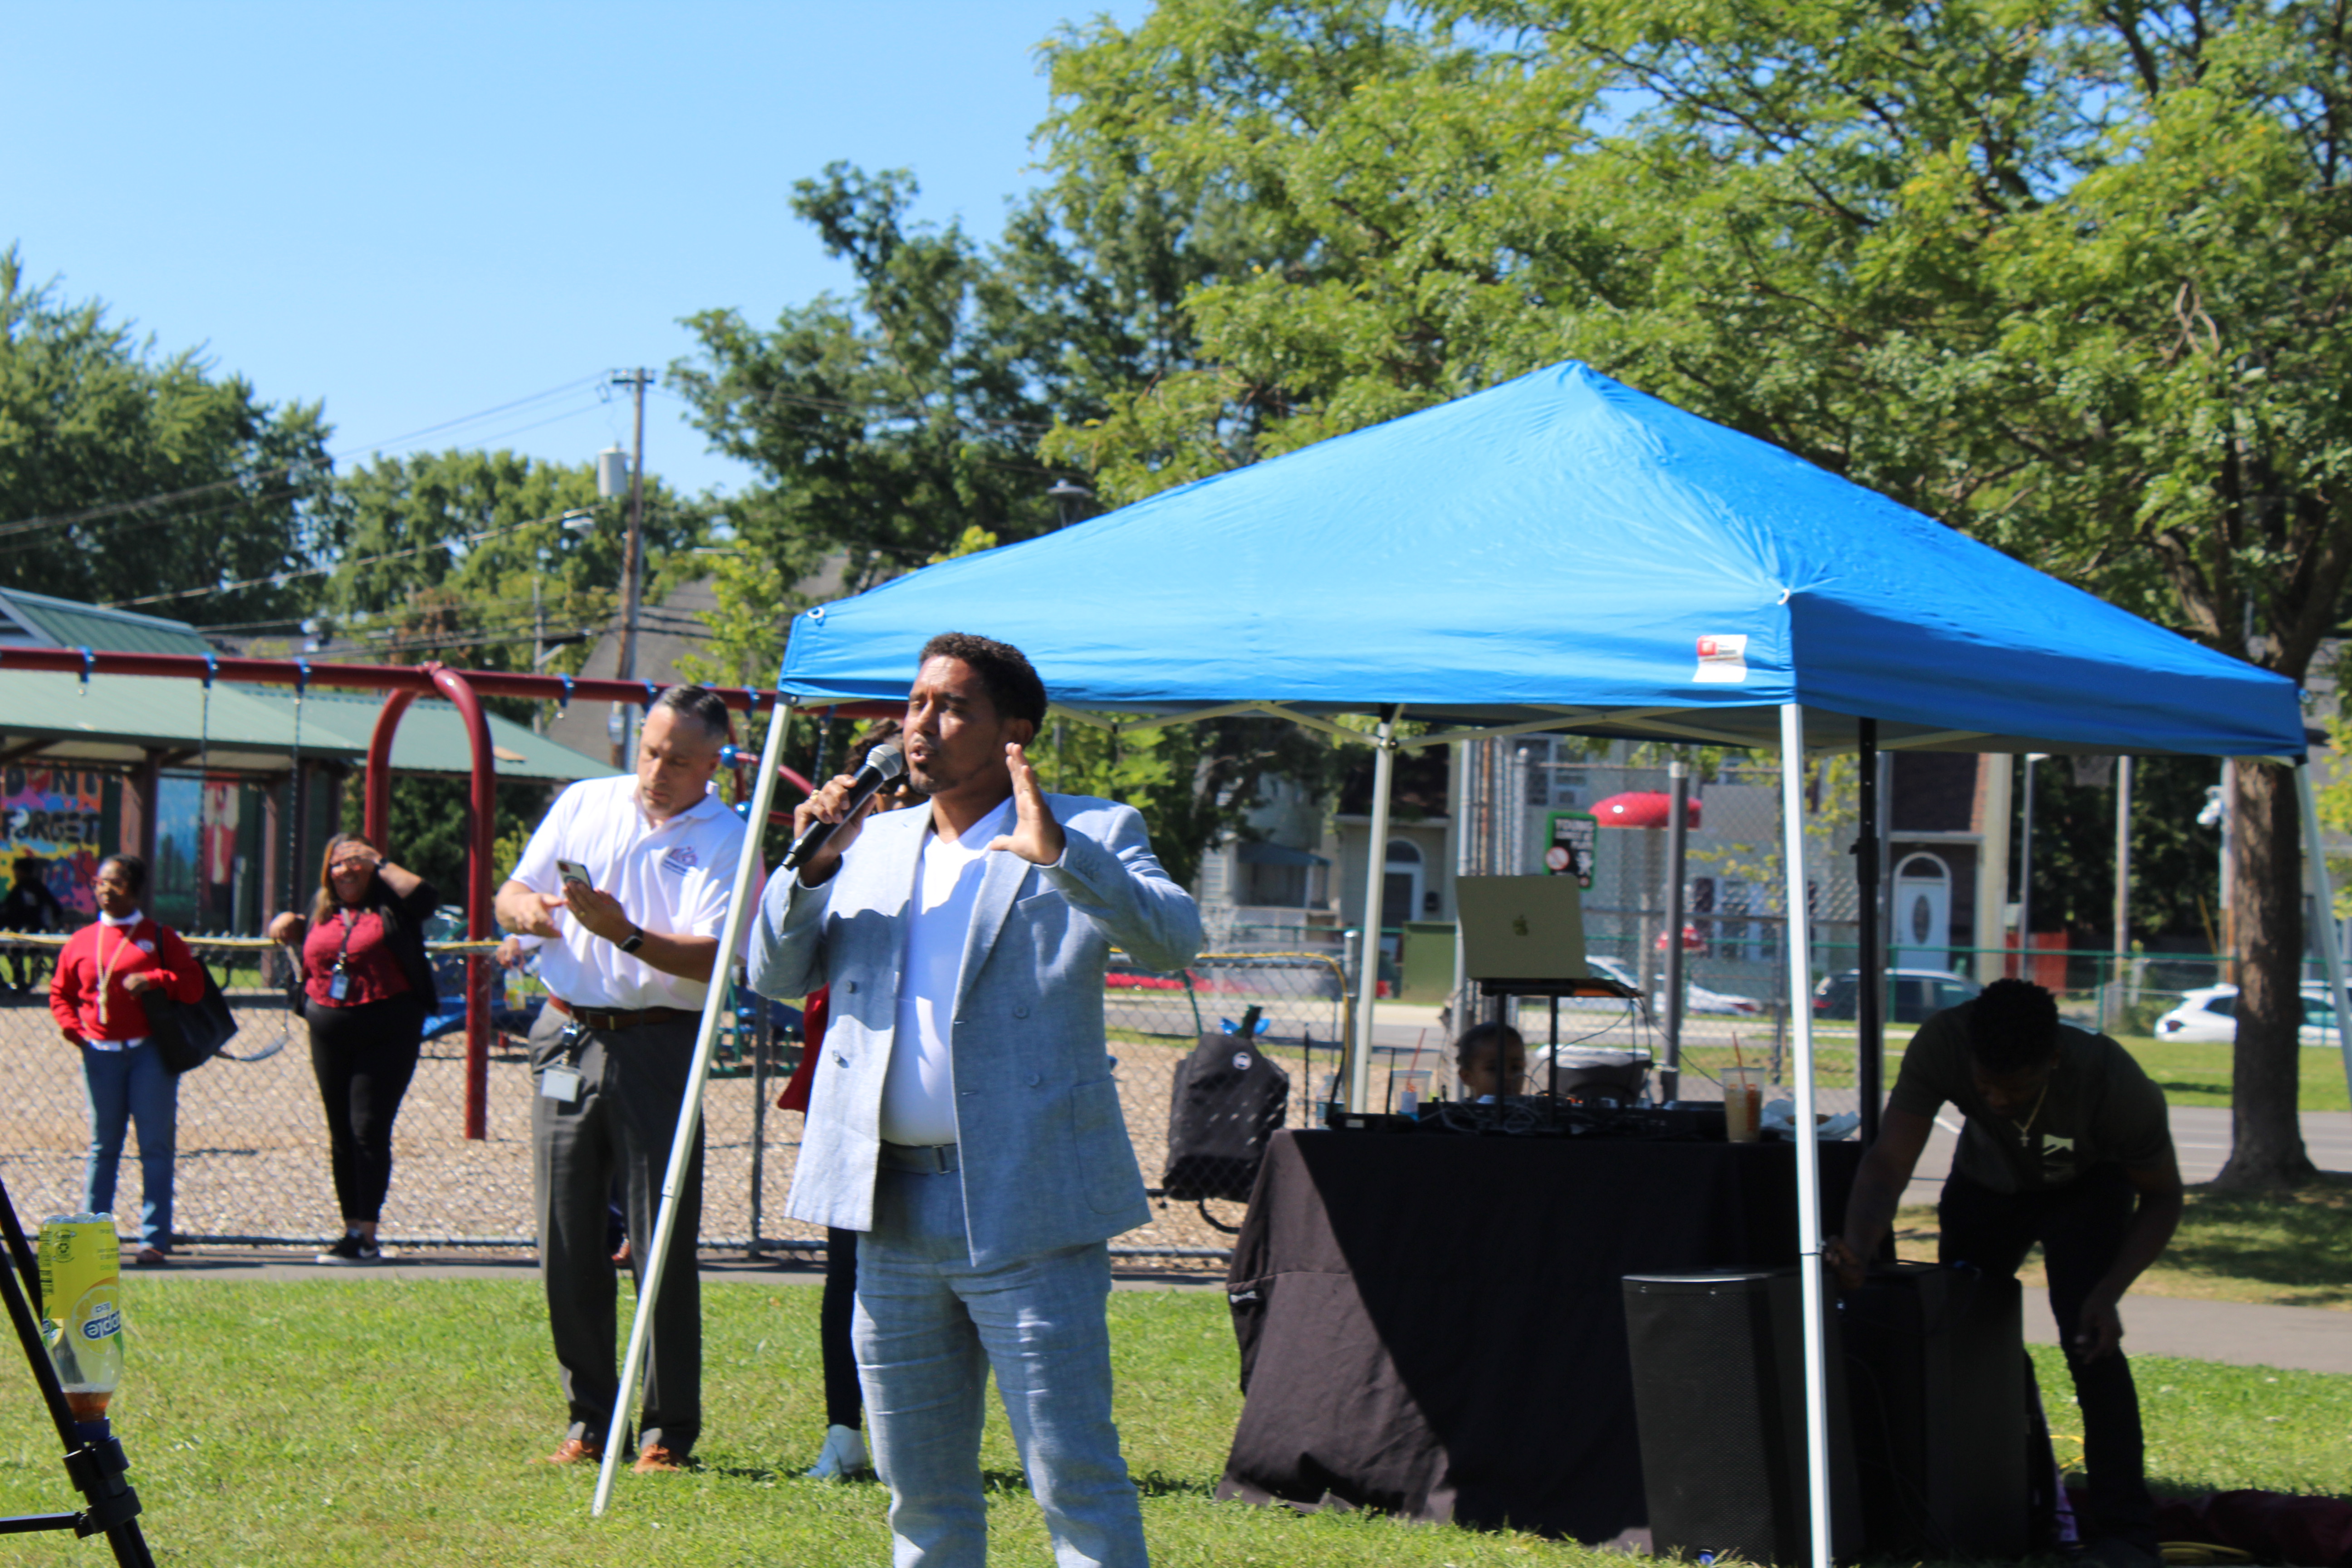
{"x":403,"y":685}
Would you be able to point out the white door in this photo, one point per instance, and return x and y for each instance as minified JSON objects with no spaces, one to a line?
{"x":1923,"y":913}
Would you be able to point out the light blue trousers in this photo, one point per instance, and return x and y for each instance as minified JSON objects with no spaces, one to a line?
{"x":123,"y":1088}
{"x":929,"y":1329}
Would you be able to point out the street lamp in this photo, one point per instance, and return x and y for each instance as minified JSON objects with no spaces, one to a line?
{"x":1069,"y":496}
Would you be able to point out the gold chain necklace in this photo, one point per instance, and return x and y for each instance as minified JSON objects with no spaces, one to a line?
{"x":2025,"y":1128}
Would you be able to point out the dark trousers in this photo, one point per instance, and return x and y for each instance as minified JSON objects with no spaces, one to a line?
{"x":2080,"y":1227}
{"x":845,"y":1404}
{"x":364,"y":1058}
{"x":621,"y":1122}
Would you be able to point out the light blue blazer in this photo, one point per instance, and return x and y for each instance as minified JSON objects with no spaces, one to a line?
{"x":1042,"y":1148}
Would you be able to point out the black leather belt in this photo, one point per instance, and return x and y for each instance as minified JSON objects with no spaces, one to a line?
{"x":605,"y":1020}
{"x":924,"y":1159}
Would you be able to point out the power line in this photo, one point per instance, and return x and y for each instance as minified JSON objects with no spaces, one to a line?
{"x":278,"y":579}
{"x":249,"y":475}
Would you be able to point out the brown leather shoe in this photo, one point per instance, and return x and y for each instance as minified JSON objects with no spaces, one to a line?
{"x":652,"y":1459}
{"x":572,"y":1451}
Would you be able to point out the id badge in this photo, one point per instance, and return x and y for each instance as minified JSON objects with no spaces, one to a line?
{"x":338,"y":984}
{"x":560,"y":1082}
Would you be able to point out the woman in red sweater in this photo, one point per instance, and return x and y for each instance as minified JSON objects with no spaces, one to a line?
{"x":95,"y":994}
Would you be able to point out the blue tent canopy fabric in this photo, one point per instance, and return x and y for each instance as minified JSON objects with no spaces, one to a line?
{"x":1563,"y":551}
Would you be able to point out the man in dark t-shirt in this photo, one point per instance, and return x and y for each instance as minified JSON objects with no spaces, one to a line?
{"x":2066,"y":1142}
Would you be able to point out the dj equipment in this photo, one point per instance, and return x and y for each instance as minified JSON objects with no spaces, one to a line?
{"x":1719,"y":1399}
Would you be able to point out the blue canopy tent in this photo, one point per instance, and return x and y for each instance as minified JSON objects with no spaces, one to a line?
{"x":1560,"y":552}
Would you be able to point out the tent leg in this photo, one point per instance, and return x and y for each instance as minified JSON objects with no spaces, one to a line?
{"x":1808,"y":1176}
{"x":1368,"y":969}
{"x":1870,"y":958}
{"x":2324,"y":897}
{"x":739,"y":910}
{"x":1670,"y":1079}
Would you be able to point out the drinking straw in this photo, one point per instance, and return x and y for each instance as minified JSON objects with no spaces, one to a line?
{"x":1737,"y":1059}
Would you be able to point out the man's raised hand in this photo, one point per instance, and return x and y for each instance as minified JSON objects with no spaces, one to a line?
{"x":1037,"y":837}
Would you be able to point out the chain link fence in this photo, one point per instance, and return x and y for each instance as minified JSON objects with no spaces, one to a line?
{"x":252,"y":1165}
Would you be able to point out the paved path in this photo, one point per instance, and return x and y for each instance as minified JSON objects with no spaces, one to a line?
{"x":281,"y":1266}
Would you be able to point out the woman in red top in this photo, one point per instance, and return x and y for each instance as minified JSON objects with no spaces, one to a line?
{"x":95,"y":994}
{"x":367,"y":988}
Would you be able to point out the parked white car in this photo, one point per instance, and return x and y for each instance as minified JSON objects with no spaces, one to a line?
{"x":1697,"y":998}
{"x":2211,"y":1012}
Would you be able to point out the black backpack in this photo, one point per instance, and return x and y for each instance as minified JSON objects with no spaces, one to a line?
{"x":1227,"y":1099}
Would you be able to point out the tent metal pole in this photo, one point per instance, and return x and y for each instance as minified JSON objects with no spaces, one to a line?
{"x":1677,"y":844}
{"x":1870,"y":959}
{"x":1368,"y":966}
{"x":739,"y":910}
{"x":2323,"y":898}
{"x":1809,"y":1175}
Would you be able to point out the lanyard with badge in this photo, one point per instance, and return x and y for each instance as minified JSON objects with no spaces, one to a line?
{"x":560,"y":1080}
{"x":339,"y":978}
{"x":107,"y":966}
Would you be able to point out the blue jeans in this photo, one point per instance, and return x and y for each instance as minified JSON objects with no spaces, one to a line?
{"x":929,"y":1327}
{"x":124,"y":1087}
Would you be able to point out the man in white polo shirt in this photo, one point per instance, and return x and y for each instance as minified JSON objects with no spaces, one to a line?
{"x":628,"y":957}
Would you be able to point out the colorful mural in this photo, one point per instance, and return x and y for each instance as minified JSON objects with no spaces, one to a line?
{"x":67,"y":817}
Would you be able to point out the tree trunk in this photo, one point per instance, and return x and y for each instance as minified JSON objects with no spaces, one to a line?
{"x":2266,"y":1140}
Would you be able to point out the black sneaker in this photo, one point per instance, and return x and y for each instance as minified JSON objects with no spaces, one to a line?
{"x":354,"y":1251}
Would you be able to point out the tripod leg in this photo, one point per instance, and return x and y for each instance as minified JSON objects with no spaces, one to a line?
{"x":95,"y":1464}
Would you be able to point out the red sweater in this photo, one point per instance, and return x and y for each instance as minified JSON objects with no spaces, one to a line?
{"x":143,"y":948}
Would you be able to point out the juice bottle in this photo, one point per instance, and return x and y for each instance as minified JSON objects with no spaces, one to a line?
{"x":81,"y":1319}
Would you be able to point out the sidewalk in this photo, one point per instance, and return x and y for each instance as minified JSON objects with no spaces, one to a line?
{"x":282,"y":1265}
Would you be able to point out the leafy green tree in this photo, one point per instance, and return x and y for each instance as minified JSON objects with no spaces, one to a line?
{"x":2065,"y":276}
{"x":128,"y":474}
{"x":885,"y":426}
{"x":444,"y":552}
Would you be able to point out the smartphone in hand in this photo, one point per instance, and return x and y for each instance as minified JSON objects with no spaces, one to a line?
{"x":573,"y":872}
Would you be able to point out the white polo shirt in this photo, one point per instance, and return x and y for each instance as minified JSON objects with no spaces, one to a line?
{"x":673,"y":877}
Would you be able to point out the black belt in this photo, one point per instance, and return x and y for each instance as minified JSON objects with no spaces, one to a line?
{"x":605,"y":1020}
{"x":924,"y":1159}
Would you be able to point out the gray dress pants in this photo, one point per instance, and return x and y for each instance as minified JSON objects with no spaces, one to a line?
{"x":622,"y":1120}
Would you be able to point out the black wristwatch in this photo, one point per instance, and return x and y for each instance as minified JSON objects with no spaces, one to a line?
{"x":633,"y":941}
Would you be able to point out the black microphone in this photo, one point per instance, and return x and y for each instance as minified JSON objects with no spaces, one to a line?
{"x":885,"y":763}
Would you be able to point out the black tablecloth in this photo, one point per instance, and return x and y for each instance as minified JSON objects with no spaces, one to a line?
{"x":1435,"y":1325}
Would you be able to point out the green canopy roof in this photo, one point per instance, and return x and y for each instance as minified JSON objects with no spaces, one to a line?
{"x":115,"y":720}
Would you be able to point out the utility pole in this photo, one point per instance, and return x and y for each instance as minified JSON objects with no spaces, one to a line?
{"x":632,"y":565}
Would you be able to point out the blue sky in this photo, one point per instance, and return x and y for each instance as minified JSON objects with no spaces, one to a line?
{"x":421,"y":212}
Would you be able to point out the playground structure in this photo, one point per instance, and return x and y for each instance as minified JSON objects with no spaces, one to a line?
{"x":403,"y":685}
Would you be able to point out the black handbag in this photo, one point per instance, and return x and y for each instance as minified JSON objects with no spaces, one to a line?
{"x":188,"y":1035}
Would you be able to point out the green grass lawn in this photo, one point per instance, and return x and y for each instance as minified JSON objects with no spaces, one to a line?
{"x":389,"y":1422}
{"x":2293,"y":1250}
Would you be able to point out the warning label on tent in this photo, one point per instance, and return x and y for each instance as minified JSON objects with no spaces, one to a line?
{"x":1722,"y":660}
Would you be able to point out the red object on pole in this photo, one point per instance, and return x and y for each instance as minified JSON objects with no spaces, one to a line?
{"x":1641,"y":808}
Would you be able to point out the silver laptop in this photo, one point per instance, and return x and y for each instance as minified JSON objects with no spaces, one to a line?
{"x":1522,"y":928}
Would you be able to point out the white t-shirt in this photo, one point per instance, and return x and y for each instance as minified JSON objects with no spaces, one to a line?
{"x":918,"y":1095}
{"x":672,"y":876}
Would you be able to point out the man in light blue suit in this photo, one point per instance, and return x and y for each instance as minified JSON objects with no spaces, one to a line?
{"x":965,"y":1118}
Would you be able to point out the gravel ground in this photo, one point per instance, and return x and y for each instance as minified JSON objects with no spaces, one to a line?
{"x":252,"y":1158}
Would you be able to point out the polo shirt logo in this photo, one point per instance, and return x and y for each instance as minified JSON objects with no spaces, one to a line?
{"x":681,"y":859}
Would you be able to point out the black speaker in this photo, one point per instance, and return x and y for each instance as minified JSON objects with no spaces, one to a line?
{"x":1718,"y":1364}
{"x":1935,"y":1364}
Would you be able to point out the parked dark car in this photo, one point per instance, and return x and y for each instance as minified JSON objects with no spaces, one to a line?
{"x":1913,"y":995}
